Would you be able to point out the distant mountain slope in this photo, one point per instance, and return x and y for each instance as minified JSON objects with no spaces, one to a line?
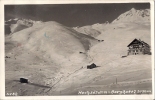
{"x":92,"y":30}
{"x":88,"y":30}
{"x":15,"y":25}
{"x":134,"y":15}
{"x":141,"y":17}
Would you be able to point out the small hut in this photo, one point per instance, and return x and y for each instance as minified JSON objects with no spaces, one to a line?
{"x":91,"y":66}
{"x":23,"y":80}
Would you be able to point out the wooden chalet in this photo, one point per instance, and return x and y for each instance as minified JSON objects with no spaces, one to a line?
{"x":138,"y":47}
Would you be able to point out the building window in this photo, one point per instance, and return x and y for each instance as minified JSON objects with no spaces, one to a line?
{"x":131,"y":46}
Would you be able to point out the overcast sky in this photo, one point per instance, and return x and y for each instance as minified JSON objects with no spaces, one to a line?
{"x":72,"y":14}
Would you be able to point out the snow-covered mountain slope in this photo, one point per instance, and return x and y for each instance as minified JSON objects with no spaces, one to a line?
{"x":107,"y":56}
{"x":134,"y":15}
{"x":15,"y":25}
{"x":62,"y":41}
{"x":47,"y":45}
{"x":48,"y":54}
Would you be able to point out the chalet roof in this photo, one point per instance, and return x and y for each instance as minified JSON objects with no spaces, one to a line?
{"x":139,"y":42}
{"x":144,"y":43}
